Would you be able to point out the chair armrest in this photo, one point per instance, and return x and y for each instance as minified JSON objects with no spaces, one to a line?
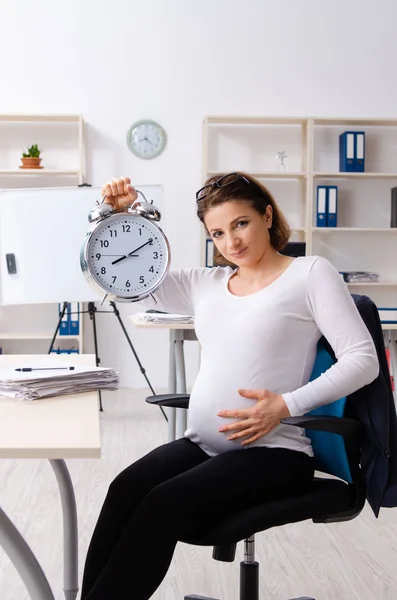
{"x":172,"y":400}
{"x":347,"y":428}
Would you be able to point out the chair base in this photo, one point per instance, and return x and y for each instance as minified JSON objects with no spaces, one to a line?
{"x":194,"y":597}
{"x":249,"y":584}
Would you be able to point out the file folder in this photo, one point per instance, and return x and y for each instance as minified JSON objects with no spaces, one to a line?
{"x":347,"y":151}
{"x":359,"y":161}
{"x":64,"y":327}
{"x":393,"y":217}
{"x":209,"y":253}
{"x":74,"y":323}
{"x":321,"y":220}
{"x":332,"y":204}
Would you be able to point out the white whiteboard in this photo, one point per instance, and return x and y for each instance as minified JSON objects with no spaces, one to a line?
{"x":44,"y":229}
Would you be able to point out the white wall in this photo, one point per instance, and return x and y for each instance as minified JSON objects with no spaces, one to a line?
{"x":176,"y":61}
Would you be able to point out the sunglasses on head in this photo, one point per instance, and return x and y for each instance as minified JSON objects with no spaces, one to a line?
{"x":223,"y":181}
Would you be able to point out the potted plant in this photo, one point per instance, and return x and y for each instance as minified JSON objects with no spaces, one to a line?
{"x":31,"y":159}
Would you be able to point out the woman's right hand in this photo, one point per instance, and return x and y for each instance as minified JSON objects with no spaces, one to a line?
{"x":119,"y":192}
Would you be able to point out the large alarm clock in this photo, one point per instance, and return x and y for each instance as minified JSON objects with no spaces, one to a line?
{"x":125,"y":255}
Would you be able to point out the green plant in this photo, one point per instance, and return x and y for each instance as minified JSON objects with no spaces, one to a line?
{"x":33,"y":152}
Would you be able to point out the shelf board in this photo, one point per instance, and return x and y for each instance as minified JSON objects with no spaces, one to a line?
{"x":40,"y":172}
{"x":35,"y":336}
{"x":41,"y":118}
{"x":344,"y":175}
{"x":269,"y":175}
{"x":355,"y":229}
{"x":372,"y":283}
{"x":334,"y":121}
{"x":253,"y":120}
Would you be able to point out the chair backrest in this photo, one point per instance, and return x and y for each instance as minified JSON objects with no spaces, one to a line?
{"x":329,"y":448}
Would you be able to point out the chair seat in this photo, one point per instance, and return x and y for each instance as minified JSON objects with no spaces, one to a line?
{"x":322,"y":498}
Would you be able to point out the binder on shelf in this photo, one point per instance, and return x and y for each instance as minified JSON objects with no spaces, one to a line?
{"x":74,"y":323}
{"x":388,"y":315}
{"x":209,"y":253}
{"x":322,"y":209}
{"x":359,"y":147}
{"x":64,"y":328}
{"x":393,"y":217}
{"x":64,"y":351}
{"x":347,"y":151}
{"x":332,"y":206}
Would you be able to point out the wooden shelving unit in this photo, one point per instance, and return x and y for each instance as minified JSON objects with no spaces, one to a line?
{"x":62,"y":140}
{"x":53,"y":133}
{"x":363,"y":239}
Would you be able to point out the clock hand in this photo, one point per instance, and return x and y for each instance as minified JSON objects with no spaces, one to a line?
{"x":132,"y":253}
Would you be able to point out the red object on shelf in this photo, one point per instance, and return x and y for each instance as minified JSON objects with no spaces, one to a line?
{"x":388,"y":364}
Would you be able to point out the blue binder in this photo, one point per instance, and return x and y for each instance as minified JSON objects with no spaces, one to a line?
{"x":322,"y":206}
{"x":64,"y":351}
{"x":359,"y":150}
{"x":74,"y":327}
{"x":332,"y":206}
{"x":347,"y":151}
{"x":64,"y":328}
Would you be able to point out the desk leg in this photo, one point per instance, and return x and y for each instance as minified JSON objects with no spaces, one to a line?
{"x":24,"y":560}
{"x":70,"y":542}
{"x":171,"y":412}
{"x":181,"y":414}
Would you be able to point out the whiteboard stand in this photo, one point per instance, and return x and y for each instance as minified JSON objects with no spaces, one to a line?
{"x":92,"y":310}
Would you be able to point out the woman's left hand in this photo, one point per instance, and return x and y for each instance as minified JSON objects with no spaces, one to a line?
{"x":261,"y":418}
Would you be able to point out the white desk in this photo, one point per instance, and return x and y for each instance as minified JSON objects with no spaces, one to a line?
{"x":55,"y":429}
{"x":179,"y":332}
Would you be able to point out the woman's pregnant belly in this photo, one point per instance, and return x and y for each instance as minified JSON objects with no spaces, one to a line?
{"x":215,"y":390}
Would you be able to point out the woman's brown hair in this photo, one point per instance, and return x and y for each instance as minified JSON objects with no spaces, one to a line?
{"x":251,"y":190}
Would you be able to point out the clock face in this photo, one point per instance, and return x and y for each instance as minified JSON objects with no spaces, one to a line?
{"x":127,"y":256}
{"x":146,"y":139}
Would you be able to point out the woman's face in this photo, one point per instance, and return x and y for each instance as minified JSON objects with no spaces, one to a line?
{"x":239,"y":232}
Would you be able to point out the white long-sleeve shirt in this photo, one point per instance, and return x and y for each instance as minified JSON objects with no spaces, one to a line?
{"x":268,"y":340}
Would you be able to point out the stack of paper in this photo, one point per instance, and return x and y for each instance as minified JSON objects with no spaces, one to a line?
{"x":164,"y":318}
{"x":45,"y":378}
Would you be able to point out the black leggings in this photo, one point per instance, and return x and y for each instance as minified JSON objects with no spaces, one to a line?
{"x":173,"y":489}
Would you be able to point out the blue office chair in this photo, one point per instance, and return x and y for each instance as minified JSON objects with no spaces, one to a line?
{"x":336,"y":440}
